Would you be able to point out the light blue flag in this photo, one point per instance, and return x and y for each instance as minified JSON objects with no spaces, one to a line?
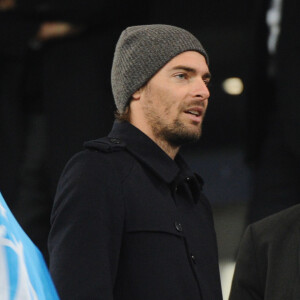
{"x":23,"y":272}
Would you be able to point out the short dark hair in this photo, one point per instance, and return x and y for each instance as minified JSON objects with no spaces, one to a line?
{"x":123,"y":116}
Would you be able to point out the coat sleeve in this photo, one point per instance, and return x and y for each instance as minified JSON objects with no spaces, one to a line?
{"x":247,"y":281}
{"x":86,"y":228}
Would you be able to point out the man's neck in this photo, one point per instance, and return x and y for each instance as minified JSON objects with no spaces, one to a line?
{"x":169,"y":149}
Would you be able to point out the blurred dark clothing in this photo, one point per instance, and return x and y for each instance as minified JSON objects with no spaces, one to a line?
{"x":267,"y":266}
{"x":53,"y":96}
{"x":274,"y":109}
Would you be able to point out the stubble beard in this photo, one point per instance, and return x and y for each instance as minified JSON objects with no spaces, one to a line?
{"x":177,"y":134}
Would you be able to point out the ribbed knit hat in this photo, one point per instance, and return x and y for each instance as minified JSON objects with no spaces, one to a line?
{"x":141,"y":52}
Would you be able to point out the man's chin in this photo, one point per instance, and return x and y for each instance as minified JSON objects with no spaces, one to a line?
{"x":183,"y":137}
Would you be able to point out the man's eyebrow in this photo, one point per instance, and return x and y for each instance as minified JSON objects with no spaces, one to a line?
{"x":191,"y":70}
{"x":185,"y":68}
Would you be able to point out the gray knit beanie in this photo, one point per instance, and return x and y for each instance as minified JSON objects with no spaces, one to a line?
{"x":141,"y":52}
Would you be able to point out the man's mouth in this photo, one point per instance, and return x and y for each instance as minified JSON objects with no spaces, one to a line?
{"x":193,"y":112}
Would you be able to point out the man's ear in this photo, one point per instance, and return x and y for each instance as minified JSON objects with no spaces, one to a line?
{"x":137,"y":94}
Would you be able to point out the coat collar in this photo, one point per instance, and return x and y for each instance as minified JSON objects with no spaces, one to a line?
{"x":149,"y":153}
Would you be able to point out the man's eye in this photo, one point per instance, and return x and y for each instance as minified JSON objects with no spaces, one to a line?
{"x":181,"y":76}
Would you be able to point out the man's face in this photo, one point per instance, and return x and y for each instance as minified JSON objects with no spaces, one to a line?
{"x":174,"y":101}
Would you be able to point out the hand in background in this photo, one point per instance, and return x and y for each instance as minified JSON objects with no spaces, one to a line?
{"x":51,"y":30}
{"x":7,"y":4}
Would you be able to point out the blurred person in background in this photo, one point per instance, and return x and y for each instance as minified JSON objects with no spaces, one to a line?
{"x":274,"y":109}
{"x":54,"y":93}
{"x":267,"y":265}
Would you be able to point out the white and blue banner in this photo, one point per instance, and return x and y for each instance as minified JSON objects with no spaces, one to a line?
{"x":23,"y":272}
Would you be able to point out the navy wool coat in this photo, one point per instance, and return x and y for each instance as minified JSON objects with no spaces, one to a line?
{"x":130,"y":223}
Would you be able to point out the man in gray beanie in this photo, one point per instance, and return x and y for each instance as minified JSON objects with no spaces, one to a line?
{"x":129,"y":219}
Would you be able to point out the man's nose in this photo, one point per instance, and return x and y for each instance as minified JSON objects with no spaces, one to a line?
{"x":201,"y":89}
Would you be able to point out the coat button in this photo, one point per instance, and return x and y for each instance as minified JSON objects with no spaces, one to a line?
{"x":178,"y":226}
{"x":188,"y":179}
{"x":115,"y":140}
{"x":193,"y":258}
